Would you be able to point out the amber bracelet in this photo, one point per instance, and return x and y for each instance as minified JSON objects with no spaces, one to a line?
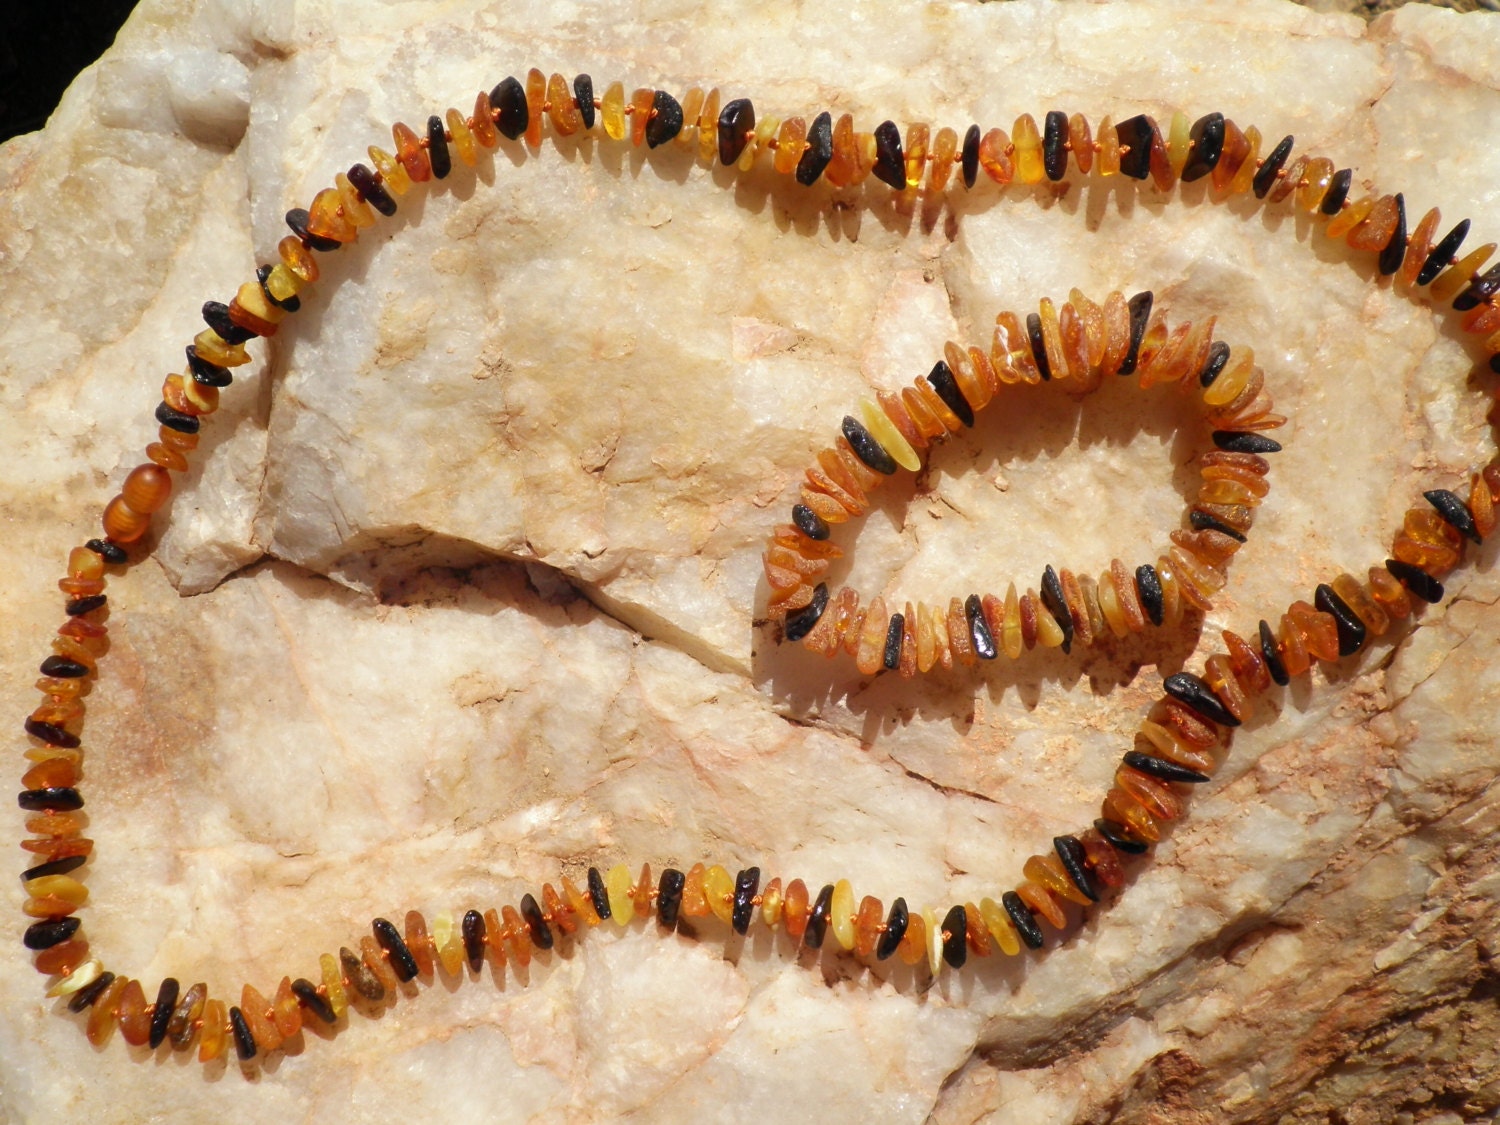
{"x":1178,"y":744}
{"x":1078,"y":348}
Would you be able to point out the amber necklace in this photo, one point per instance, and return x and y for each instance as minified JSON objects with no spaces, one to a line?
{"x":1179,"y":743}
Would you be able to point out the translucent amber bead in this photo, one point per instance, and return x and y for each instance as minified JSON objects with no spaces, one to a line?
{"x":1418,"y":247}
{"x":1122,"y":808}
{"x":1389,"y":593}
{"x":1482,"y":504}
{"x":1102,"y":859}
{"x":617,"y":885}
{"x":765,"y":129}
{"x":913,"y":947}
{"x":449,"y":944}
{"x":870,"y":652}
{"x":933,"y":929}
{"x":146,"y":489}
{"x":1047,"y":871}
{"x":561,"y":108}
{"x":483,"y":122}
{"x":392,"y":174}
{"x":1042,"y":903}
{"x":1179,"y":138}
{"x":333,"y":985}
{"x":868,"y":923}
{"x":58,"y":773}
{"x":708,"y":127}
{"x":1350,"y":217}
{"x":1001,"y":928}
{"x":579,"y":902}
{"x":995,"y":157}
{"x":841,"y":914}
{"x":1365,"y":607}
{"x":286,"y":1013}
{"x":1317,"y":631}
{"x":959,"y":641}
{"x":884,"y":431}
{"x":101,"y":1022}
{"x":1232,"y":157}
{"x":916,"y":153}
{"x":1220,"y":677}
{"x":718,"y":892}
{"x":794,"y":909}
{"x":375,"y":960}
{"x":694,"y":905}
{"x":1081,"y":143}
{"x":640,"y":109}
{"x":410,"y":154}
{"x":1109,"y":148}
{"x":419,"y":942}
{"x":642,"y":893}
{"x":356,"y":210}
{"x":843,"y":167}
{"x":63,"y":887}
{"x":944,"y":149}
{"x":1011,"y":640}
{"x":122,"y":523}
{"x":536,"y":99}
{"x":1315,"y":183}
{"x":692,"y":109}
{"x":1288,"y":181}
{"x":1049,"y":633}
{"x":518,"y":934}
{"x":257,"y":1012}
{"x":789,"y":144}
{"x":612,"y":110}
{"x":1027,"y":138}
{"x":1376,"y":229}
{"x":215,"y":1030}
{"x":325,"y":217}
{"x":212,"y":347}
{"x":1244,"y":179}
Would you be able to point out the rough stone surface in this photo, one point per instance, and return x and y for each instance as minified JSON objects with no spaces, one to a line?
{"x":462,"y":590}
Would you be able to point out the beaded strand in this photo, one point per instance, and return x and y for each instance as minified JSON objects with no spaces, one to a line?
{"x":1178,"y":744}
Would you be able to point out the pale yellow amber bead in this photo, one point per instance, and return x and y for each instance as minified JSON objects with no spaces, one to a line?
{"x":86,"y":973}
{"x":841,"y":914}
{"x":252,"y":299}
{"x":1052,"y":339}
{"x":708,"y":128}
{"x":934,"y":929}
{"x":64,"y":887}
{"x":617,"y":885}
{"x":770,"y":903}
{"x":463,"y":138}
{"x":1458,"y":276}
{"x":884,"y":431}
{"x":1011,"y":640}
{"x":718,"y":892}
{"x":333,"y":984}
{"x":1179,"y":138}
{"x":213,"y":347}
{"x":765,"y":129}
{"x":282,"y":283}
{"x":1001,"y":928}
{"x":1028,"y":156}
{"x":448,"y":939}
{"x":1049,"y":633}
{"x":393,"y":174}
{"x":692,"y":106}
{"x":612,"y":110}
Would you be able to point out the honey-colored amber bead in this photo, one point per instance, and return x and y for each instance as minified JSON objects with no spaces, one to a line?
{"x":215,"y":1035}
{"x":1353,"y":594}
{"x":84,"y":563}
{"x":393,"y":176}
{"x":63,"y":887}
{"x":1458,"y":276}
{"x":1109,"y":605}
{"x":789,"y":144}
{"x":692,"y":109}
{"x":122,"y":523}
{"x":708,"y":128}
{"x":960,"y":643}
{"x":1109,"y":148}
{"x":1011,"y":639}
{"x":1293,"y":652}
{"x":841,"y":914}
{"x":1317,"y":630}
{"x":933,"y":929}
{"x":102,"y":1016}
{"x":641,"y":102}
{"x":843,"y":167}
{"x":913,"y":947}
{"x":1197,"y":579}
{"x":612,"y":110}
{"x":643,"y":892}
{"x":1375,"y":232}
{"x":286,"y":1013}
{"x":419,"y":942}
{"x":870,"y":652}
{"x":63,"y":957}
{"x":718,"y":892}
{"x":579,"y":902}
{"x":257,"y":1012}
{"x":1154,"y":795}
{"x":976,"y":933}
{"x":214,"y":348}
{"x":297,"y":260}
{"x":1027,"y":138}
{"x":1350,"y":217}
{"x":868,"y":923}
{"x":374,"y":959}
{"x":915,"y":148}
{"x":1244,"y":178}
{"x":517,"y":934}
{"x":557,"y":911}
{"x":332,"y":976}
{"x":1418,"y":247}
{"x":146,"y":489}
{"x":561,"y":107}
{"x":326,"y":219}
{"x":1233,"y":380}
{"x":59,"y":847}
{"x":54,"y":823}
{"x":1389,"y":593}
{"x":1081,"y":142}
{"x":866,"y":152}
{"x":356,"y":210}
{"x":995,"y":156}
{"x":448,"y":941}
{"x":409,"y":154}
{"x":58,"y":773}
{"x":1042,"y":903}
{"x":1126,"y":597}
{"x":1047,"y":871}
{"x":1102,"y":859}
{"x":794,"y":909}
{"x":944,"y":150}
{"x":483,"y":122}
{"x":1232,"y":156}
{"x":1482,"y":505}
{"x":1117,"y":326}
{"x":1001,"y":928}
{"x":617,"y":886}
{"x":1049,"y":633}
{"x":536,"y":99}
{"x":1220,"y":677}
{"x":1122,"y":808}
{"x":1316,"y":180}
{"x":1246,"y":663}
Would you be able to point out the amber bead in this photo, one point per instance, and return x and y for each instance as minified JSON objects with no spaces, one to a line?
{"x":794,"y":909}
{"x":1055,"y":138}
{"x":694,"y":905}
{"x":360,"y":975}
{"x":245,"y":1046}
{"x":955,"y":931}
{"x":789,"y":142}
{"x":1041,"y":901}
{"x":132,"y":1012}
{"x":122,"y":523}
{"x":1444,"y":253}
{"x":1125,"y":810}
{"x":285,"y":1012}
{"x":640,"y":894}
{"x":867,"y":925}
{"x":517,"y":935}
{"x":331,"y":973}
{"x":1416,"y":580}
{"x":1266,"y":177}
{"x":483,"y":122}
{"x":255,"y":1009}
{"x":1394,"y":251}
{"x":692,"y":112}
{"x":1047,"y":872}
{"x":379,"y":963}
{"x":536,"y":98}
{"x":1419,"y":247}
{"x":890,"y":158}
{"x":618,"y":886}
{"x":841,"y":914}
{"x":817,"y":918}
{"x":1109,"y":148}
{"x":913,"y":947}
{"x":472,"y":927}
{"x":215,"y":1031}
{"x":395,"y":951}
{"x":188,"y":1011}
{"x":663,"y":119}
{"x":1136,"y":136}
{"x":326,"y":220}
{"x":102,"y":1016}
{"x":310,"y":998}
{"x":944,"y":151}
{"x":718,"y":892}
{"x":448,"y":943}
{"x":870,"y":653}
{"x":995,"y":156}
{"x":62,"y":887}
{"x":1102,"y":859}
{"x":463,"y":138}
{"x":1029,"y":163}
{"x":1233,"y":152}
{"x":936,"y":939}
{"x":1459,"y":276}
{"x":512,"y":108}
{"x":45,"y":935}
{"x":887,"y":939}
{"x":63,"y":957}
{"x":1351,"y":629}
{"x":992,"y":916}
{"x":561,"y":108}
{"x":639,"y":112}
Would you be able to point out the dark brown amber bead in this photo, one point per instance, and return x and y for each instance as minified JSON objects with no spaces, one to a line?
{"x":1116,"y":835}
{"x":60,"y":798}
{"x":1191,"y":691}
{"x":942,"y":381}
{"x":402,"y":962}
{"x":1233,"y":441}
{"x":583,"y":94}
{"x":1272,"y":656}
{"x":969,"y":161}
{"x":980,"y":637}
{"x":161,"y":1012}
{"x":1055,"y":145}
{"x":1266,"y":177}
{"x":955,"y":937}
{"x":1140,"y":314}
{"x":891,"y":651}
{"x":310,"y":998}
{"x":1394,"y":252}
{"x":509,"y":98}
{"x":357,"y":973}
{"x":866,"y":448}
{"x":46,"y":934}
{"x":817,"y":919}
{"x":1455,"y":512}
{"x":52,"y":734}
{"x":244,"y":1042}
{"x":437,"y":148}
{"x":472,"y":930}
{"x":819,"y":151}
{"x":809,"y":522}
{"x":54,"y":867}
{"x":801,"y":622}
{"x":77,"y":607}
{"x":86,"y":995}
{"x":1480,"y":290}
{"x":1148,"y":588}
{"x":372,"y":190}
{"x":536,"y":925}
{"x":598,"y":894}
{"x":1443,"y":254}
{"x":1023,"y":919}
{"x":1205,"y":521}
{"x":736,"y":124}
{"x":669,"y":897}
{"x":63,"y":668}
{"x":1056,"y":604}
{"x":1351,"y":628}
{"x":1075,"y":863}
{"x":1338,"y":191}
{"x":746,"y":883}
{"x":1207,"y":136}
{"x":216,"y":316}
{"x":666,"y":119}
{"x":1418,"y":581}
{"x":1138,"y":134}
{"x":895,"y":929}
{"x":1162,"y":768}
